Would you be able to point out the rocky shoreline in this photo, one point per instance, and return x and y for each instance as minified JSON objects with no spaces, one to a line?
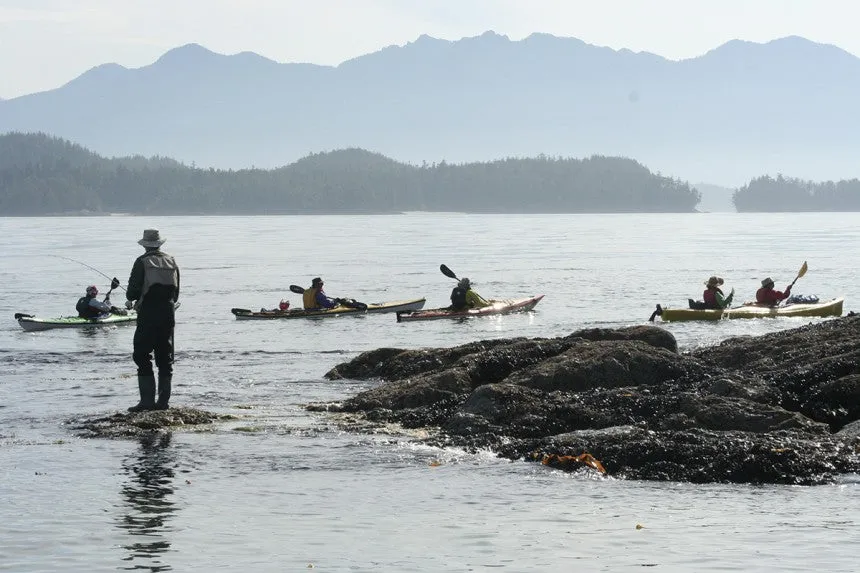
{"x":781,"y":408}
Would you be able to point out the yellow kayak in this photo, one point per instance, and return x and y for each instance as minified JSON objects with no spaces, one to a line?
{"x":752,"y":310}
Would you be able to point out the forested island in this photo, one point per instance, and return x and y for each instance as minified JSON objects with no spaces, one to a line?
{"x":42,"y":175}
{"x":769,"y":194}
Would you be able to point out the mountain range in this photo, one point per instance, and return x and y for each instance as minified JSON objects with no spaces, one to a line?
{"x":734,"y":113}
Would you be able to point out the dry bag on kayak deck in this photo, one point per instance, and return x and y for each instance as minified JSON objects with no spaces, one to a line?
{"x":802,"y":299}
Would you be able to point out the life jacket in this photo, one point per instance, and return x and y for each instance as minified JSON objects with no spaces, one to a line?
{"x":85,"y":310}
{"x":309,"y":298}
{"x":160,"y":278}
{"x":710,"y":298}
{"x":458,"y":297}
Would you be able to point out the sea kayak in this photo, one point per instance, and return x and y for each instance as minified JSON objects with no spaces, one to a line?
{"x":506,"y":306}
{"x":375,"y":307}
{"x":32,"y":323}
{"x":752,"y":310}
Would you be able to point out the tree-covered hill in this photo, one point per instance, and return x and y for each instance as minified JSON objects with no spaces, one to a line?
{"x":769,"y":194}
{"x":44,"y":175}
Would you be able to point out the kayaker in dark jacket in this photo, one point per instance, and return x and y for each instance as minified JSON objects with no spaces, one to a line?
{"x":463,"y":297}
{"x":767,"y":295}
{"x":315,"y":297}
{"x":154,"y":285}
{"x":713,"y":295}
{"x":90,"y":307}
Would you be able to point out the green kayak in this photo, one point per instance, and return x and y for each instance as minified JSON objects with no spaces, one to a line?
{"x":32,"y":323}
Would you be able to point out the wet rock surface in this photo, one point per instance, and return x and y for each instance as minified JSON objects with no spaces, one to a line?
{"x":780,"y":408}
{"x":133,"y":425}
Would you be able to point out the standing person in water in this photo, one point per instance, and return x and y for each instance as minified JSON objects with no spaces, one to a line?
{"x":154,"y":285}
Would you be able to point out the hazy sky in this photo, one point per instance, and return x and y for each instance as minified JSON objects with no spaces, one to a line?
{"x":45,"y":43}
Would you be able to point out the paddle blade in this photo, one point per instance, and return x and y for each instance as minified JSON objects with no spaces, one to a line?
{"x":297,"y":289}
{"x":802,"y":270}
{"x":447,"y":272}
{"x":22,"y":315}
{"x":240,"y":311}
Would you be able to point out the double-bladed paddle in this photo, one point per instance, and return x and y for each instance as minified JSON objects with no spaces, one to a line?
{"x":800,"y":273}
{"x":447,"y":272}
{"x":803,"y":268}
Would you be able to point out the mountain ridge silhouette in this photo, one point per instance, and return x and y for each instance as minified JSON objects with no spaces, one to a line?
{"x":730,"y":114}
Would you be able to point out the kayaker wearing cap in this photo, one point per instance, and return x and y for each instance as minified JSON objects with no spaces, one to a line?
{"x":713,"y":295}
{"x":90,"y":307}
{"x":463,"y":297}
{"x":766,"y":294}
{"x":315,"y":297}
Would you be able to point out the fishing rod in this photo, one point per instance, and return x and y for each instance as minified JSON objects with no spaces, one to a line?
{"x":88,"y":266}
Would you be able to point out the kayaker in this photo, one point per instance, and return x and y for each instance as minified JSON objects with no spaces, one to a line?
{"x":90,"y":307}
{"x":767,"y":295}
{"x":315,"y":297}
{"x":713,"y":295}
{"x":154,"y":285}
{"x":463,"y":297}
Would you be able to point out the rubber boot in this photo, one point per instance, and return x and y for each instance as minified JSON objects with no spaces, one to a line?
{"x":164,"y":381}
{"x":146,"y":385}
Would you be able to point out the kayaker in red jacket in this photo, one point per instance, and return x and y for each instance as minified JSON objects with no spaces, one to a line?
{"x":713,"y":295}
{"x":766,"y":294}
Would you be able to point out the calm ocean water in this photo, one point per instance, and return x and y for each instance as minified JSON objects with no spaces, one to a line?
{"x":281,"y":489}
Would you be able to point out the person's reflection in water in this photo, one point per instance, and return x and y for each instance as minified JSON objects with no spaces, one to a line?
{"x":147,"y":494}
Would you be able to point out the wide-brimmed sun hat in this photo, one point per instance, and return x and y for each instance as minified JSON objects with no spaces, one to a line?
{"x":317,"y":281}
{"x":151,"y":238}
{"x":767,"y":282}
{"x":714,"y":281}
